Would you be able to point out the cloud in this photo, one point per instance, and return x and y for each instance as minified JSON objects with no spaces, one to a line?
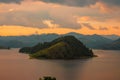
{"x":83,"y":18}
{"x":103,"y":28}
{"x":10,"y":1}
{"x":106,"y":7}
{"x":77,"y":3}
{"x":89,"y":26}
{"x":111,"y":2}
{"x":36,"y":14}
{"x":42,"y":15}
{"x":90,"y":19}
{"x":50,"y":24}
{"x":38,"y":19}
{"x":116,"y":27}
{"x":24,"y":18}
{"x":81,"y":3}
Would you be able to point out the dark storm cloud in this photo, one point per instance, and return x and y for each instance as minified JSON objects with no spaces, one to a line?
{"x":72,"y":2}
{"x":75,"y":3}
{"x":82,"y":3}
{"x":10,"y":1}
{"x":112,"y":2}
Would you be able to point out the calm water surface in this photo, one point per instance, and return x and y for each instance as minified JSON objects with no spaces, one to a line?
{"x":16,"y":66}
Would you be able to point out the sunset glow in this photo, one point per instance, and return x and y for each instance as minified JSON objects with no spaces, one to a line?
{"x":20,"y":30}
{"x":26,"y":17}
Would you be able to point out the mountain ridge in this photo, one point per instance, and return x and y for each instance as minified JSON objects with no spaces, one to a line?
{"x":92,"y":41}
{"x":115,"y":45}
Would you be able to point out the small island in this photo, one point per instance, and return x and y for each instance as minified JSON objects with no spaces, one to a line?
{"x":65,"y":47}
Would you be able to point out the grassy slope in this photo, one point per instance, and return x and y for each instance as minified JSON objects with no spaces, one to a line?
{"x":51,"y":51}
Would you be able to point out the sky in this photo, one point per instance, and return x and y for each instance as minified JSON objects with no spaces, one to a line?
{"x":26,"y":17}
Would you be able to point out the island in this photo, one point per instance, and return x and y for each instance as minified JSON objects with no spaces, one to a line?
{"x":64,"y":47}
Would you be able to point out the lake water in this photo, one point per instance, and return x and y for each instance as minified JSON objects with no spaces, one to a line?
{"x":16,"y":66}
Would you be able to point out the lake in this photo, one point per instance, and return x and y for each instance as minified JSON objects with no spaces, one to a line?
{"x":18,"y":66}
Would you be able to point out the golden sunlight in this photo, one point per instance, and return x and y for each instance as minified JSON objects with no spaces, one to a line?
{"x":21,"y":30}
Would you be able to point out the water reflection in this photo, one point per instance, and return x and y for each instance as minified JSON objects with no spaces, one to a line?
{"x":66,"y":69}
{"x":71,"y":69}
{"x":16,"y":66}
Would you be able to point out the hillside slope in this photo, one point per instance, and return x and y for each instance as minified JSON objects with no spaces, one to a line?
{"x":67,"y":47}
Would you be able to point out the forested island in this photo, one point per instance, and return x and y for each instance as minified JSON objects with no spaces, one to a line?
{"x":65,"y":47}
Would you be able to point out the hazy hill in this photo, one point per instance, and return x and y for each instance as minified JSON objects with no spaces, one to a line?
{"x":115,"y":45}
{"x":77,"y":35}
{"x":112,"y":37}
{"x":91,"y":41}
{"x":67,"y":47}
{"x":23,"y":41}
{"x":95,"y":41}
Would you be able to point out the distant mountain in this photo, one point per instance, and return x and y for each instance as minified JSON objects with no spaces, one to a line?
{"x":77,"y":35}
{"x":115,"y":45}
{"x":112,"y":37}
{"x":91,"y":41}
{"x":67,"y":47}
{"x":23,"y":41}
{"x":95,"y":41}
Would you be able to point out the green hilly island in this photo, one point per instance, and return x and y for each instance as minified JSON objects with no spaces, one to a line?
{"x":65,"y":47}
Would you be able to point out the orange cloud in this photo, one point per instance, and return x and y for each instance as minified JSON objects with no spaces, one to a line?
{"x":50,"y":23}
{"x":103,"y":28}
{"x":88,"y":19}
{"x":83,"y":18}
{"x":104,"y":8}
{"x":16,"y":30}
{"x":21,"y":30}
{"x":39,"y":15}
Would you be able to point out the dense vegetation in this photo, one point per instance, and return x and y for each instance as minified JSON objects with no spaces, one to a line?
{"x":67,"y":47}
